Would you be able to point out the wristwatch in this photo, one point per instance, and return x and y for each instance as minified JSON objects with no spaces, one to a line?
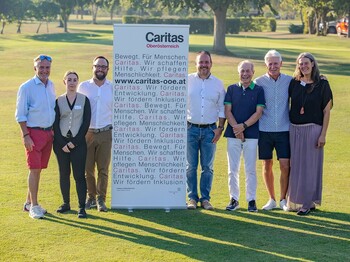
{"x":221,"y":127}
{"x":245,"y":125}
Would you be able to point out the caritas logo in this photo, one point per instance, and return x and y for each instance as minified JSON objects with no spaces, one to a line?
{"x":166,"y":37}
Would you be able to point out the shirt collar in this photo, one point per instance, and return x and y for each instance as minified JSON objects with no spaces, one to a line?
{"x":267,"y":74}
{"x":251,"y":86}
{"x":37,"y":80}
{"x":209,"y":76}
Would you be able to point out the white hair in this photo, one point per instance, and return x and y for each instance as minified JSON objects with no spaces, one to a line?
{"x":272,"y":53}
{"x":240,"y":65}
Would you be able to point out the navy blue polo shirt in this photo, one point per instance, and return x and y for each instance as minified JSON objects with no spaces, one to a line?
{"x":244,"y":103}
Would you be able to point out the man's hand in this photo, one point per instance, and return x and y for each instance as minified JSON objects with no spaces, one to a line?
{"x":28,"y":143}
{"x":217,"y":135}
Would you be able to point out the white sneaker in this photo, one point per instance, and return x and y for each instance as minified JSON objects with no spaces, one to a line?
{"x":43,"y":210}
{"x":283,"y":205}
{"x":36,"y":212}
{"x":271,"y":204}
{"x":26,"y":208}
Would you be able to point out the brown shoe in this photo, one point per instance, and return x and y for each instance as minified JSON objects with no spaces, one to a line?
{"x":206,"y":205}
{"x":192,"y":204}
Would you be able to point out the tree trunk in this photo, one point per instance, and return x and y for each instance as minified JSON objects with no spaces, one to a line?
{"x":64,"y":19}
{"x":317,"y":25}
{"x":94,"y":9}
{"x":3,"y":26}
{"x":220,"y":30}
{"x":19,"y":27}
{"x":65,"y":25}
{"x":37,"y":30}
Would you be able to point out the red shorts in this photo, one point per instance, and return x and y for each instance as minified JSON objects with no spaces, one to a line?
{"x":39,"y":157}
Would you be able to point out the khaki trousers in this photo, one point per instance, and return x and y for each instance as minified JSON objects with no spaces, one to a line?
{"x":99,"y":146}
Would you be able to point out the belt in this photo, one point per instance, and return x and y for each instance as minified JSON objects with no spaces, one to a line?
{"x":201,"y":125}
{"x":98,"y":130}
{"x":42,"y":128}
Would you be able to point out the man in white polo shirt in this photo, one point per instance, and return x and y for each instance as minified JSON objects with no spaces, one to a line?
{"x":99,"y":90}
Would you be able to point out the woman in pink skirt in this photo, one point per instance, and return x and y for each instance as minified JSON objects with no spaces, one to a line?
{"x":311,"y":100}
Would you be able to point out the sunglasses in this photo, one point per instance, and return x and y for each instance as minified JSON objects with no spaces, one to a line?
{"x":43,"y":57}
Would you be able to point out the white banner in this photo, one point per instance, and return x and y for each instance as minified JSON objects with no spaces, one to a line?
{"x":149,"y":121}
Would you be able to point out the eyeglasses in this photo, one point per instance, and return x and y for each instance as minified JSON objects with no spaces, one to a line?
{"x":43,"y":57}
{"x":103,"y":67}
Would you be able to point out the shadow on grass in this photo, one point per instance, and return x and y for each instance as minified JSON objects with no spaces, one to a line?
{"x":328,"y":64}
{"x":222,"y":235}
{"x":84,"y":38}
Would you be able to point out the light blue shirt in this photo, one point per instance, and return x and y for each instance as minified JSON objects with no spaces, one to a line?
{"x":275,"y":117}
{"x":36,"y":103}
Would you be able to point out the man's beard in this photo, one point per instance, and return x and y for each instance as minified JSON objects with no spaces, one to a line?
{"x":100,"y":76}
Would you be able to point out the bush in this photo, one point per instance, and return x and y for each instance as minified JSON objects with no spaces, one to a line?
{"x":257,"y":24}
{"x":296,"y":29}
{"x":273,"y":25}
{"x":206,"y":25}
{"x":197,"y":25}
{"x":233,"y":25}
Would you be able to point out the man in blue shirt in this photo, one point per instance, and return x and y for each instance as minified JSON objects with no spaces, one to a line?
{"x":35,"y":113}
{"x":244,"y":103}
{"x":274,"y":127}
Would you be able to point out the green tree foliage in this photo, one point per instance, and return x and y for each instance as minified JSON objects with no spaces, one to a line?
{"x":20,"y":10}
{"x":318,"y":10}
{"x":66,"y":7}
{"x":7,"y":13}
{"x":81,"y":4}
{"x":95,"y":5}
{"x":111,"y":5}
{"x":217,"y":7}
{"x":44,"y":11}
{"x":342,"y":7}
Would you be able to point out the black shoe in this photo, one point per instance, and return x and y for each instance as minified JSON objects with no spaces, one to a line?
{"x":252,"y":206}
{"x":233,"y":205}
{"x":82,"y":213}
{"x":63,"y":208}
{"x":90,"y":203}
{"x":101,"y":206}
{"x":303,"y":213}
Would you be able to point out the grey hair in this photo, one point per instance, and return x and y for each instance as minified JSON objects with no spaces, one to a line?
{"x":272,"y":53}
{"x":245,"y":62}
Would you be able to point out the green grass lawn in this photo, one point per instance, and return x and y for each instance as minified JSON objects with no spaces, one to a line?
{"x":154,"y":235}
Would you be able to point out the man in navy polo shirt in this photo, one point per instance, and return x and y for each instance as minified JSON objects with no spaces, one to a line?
{"x":244,"y":103}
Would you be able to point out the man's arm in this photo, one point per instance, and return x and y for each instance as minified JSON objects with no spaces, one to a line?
{"x":239,"y":128}
{"x":27,"y":140}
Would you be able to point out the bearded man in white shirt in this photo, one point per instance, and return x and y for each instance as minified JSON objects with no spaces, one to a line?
{"x":205,"y":106}
{"x":99,"y":90}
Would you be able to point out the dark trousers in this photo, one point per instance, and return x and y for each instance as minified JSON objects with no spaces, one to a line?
{"x":75,"y":159}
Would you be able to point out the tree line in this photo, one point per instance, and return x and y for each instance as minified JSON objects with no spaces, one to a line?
{"x":312,"y":12}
